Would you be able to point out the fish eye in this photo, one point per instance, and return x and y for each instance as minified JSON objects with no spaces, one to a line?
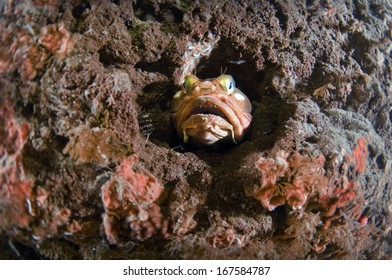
{"x":227,"y":83}
{"x":176,"y":101}
{"x":189,"y":82}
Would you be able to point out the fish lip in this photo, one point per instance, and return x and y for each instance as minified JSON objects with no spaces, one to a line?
{"x":207,"y":123}
{"x":212,"y":103}
{"x":211,"y":109}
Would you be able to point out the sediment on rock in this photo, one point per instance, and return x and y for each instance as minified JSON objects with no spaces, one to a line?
{"x":93,"y":169}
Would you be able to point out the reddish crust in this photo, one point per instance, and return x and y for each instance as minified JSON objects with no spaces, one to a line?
{"x":360,"y":155}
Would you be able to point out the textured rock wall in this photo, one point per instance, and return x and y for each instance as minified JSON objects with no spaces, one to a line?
{"x":91,"y":167}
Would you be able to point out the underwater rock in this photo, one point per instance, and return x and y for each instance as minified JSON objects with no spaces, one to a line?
{"x":92,"y":167}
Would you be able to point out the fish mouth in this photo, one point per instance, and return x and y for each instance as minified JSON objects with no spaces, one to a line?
{"x":209,"y":105}
{"x":207,"y":129}
{"x":210,"y":109}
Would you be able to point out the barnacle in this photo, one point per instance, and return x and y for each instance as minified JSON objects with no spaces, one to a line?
{"x":210,"y":111}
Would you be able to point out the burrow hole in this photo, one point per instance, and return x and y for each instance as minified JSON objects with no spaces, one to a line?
{"x":146,"y":11}
{"x":154,"y":119}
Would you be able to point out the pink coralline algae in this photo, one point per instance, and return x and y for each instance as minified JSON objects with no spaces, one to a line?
{"x":302,"y":183}
{"x":341,"y":196}
{"x":288,"y":179}
{"x":15,"y":187}
{"x":12,"y":135}
{"x":21,"y":50}
{"x":130,"y":199}
{"x":56,"y":39}
{"x":22,"y":203}
{"x":55,"y":220}
{"x":360,"y":155}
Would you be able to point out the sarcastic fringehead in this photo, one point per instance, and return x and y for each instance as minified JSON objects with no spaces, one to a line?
{"x":210,"y":111}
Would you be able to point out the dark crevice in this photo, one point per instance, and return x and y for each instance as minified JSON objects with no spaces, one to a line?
{"x":13,"y":250}
{"x":162,"y":65}
{"x":128,"y":23}
{"x":81,"y":11}
{"x":160,"y":13}
{"x":312,"y":140}
{"x":27,"y":110}
{"x":59,"y":142}
{"x":171,"y":15}
{"x":381,"y":162}
{"x":154,"y":116}
{"x":144,"y":12}
{"x":107,"y":56}
{"x":196,"y":13}
{"x":281,"y":14}
{"x":390,"y":116}
{"x":309,"y":3}
{"x":297,"y":33}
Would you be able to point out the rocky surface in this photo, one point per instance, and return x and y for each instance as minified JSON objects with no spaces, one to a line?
{"x":91,"y":167}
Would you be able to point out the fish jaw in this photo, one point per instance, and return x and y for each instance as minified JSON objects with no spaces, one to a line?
{"x":209,"y":103}
{"x":207,"y":129}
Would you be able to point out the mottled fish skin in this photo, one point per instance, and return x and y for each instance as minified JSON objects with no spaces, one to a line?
{"x":210,"y":111}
